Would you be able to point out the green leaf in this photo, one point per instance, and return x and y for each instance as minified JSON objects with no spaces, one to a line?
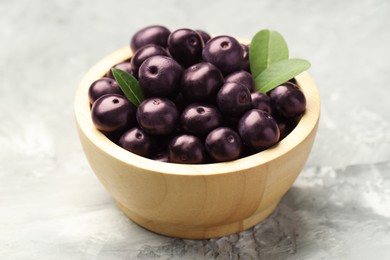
{"x":129,"y":85}
{"x":279,"y":72}
{"x":266,"y":47}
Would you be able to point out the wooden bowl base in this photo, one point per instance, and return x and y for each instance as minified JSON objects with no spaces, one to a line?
{"x":198,"y":232}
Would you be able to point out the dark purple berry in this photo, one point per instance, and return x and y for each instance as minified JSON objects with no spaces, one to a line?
{"x":223,"y":144}
{"x":185,"y":46}
{"x":159,"y":76}
{"x":243,"y":77}
{"x":225,"y":52}
{"x":113,"y":113}
{"x":261,"y":101}
{"x":201,"y":82}
{"x":205,"y":36}
{"x":125,"y":66}
{"x":186,"y":149}
{"x":287,"y":100}
{"x":258,"y":129}
{"x":103,"y":87}
{"x":145,"y":52}
{"x":200,"y":119}
{"x":136,"y":141}
{"x":233,"y":99}
{"x":157,"y":116}
{"x":155,"y":34}
{"x":245,"y":62}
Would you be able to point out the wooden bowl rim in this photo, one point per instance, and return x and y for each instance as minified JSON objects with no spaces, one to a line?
{"x":306,"y":125}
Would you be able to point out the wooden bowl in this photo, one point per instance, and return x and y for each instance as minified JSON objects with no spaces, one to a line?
{"x":195,"y":201}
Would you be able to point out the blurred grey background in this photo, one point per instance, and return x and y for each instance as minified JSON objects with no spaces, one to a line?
{"x":53,"y":207}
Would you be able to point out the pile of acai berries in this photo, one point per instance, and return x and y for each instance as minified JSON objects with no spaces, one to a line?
{"x":199,"y":102}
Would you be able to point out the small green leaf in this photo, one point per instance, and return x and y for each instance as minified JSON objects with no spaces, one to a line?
{"x":129,"y":85}
{"x":266,"y":47}
{"x":279,"y":72}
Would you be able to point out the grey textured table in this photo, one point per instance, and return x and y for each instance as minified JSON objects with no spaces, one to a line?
{"x":53,"y":207}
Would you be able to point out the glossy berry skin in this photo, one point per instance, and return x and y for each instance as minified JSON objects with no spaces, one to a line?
{"x":187,"y":149}
{"x":287,"y":100}
{"x":223,"y":144}
{"x":225,"y":52}
{"x":112,"y":113}
{"x":144,"y":53}
{"x":159,"y":76}
{"x":157,"y":116}
{"x":125,"y":66}
{"x":155,"y":34}
{"x":233,"y":99}
{"x":201,"y":82}
{"x":261,"y":101}
{"x":200,"y":119}
{"x":245,"y":62}
{"x":136,"y":141}
{"x":185,"y":46}
{"x":243,"y":77}
{"x":103,"y":87}
{"x":205,"y":36}
{"x":258,"y":129}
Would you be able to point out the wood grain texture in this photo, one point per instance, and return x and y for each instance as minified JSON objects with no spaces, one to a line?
{"x":195,"y":201}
